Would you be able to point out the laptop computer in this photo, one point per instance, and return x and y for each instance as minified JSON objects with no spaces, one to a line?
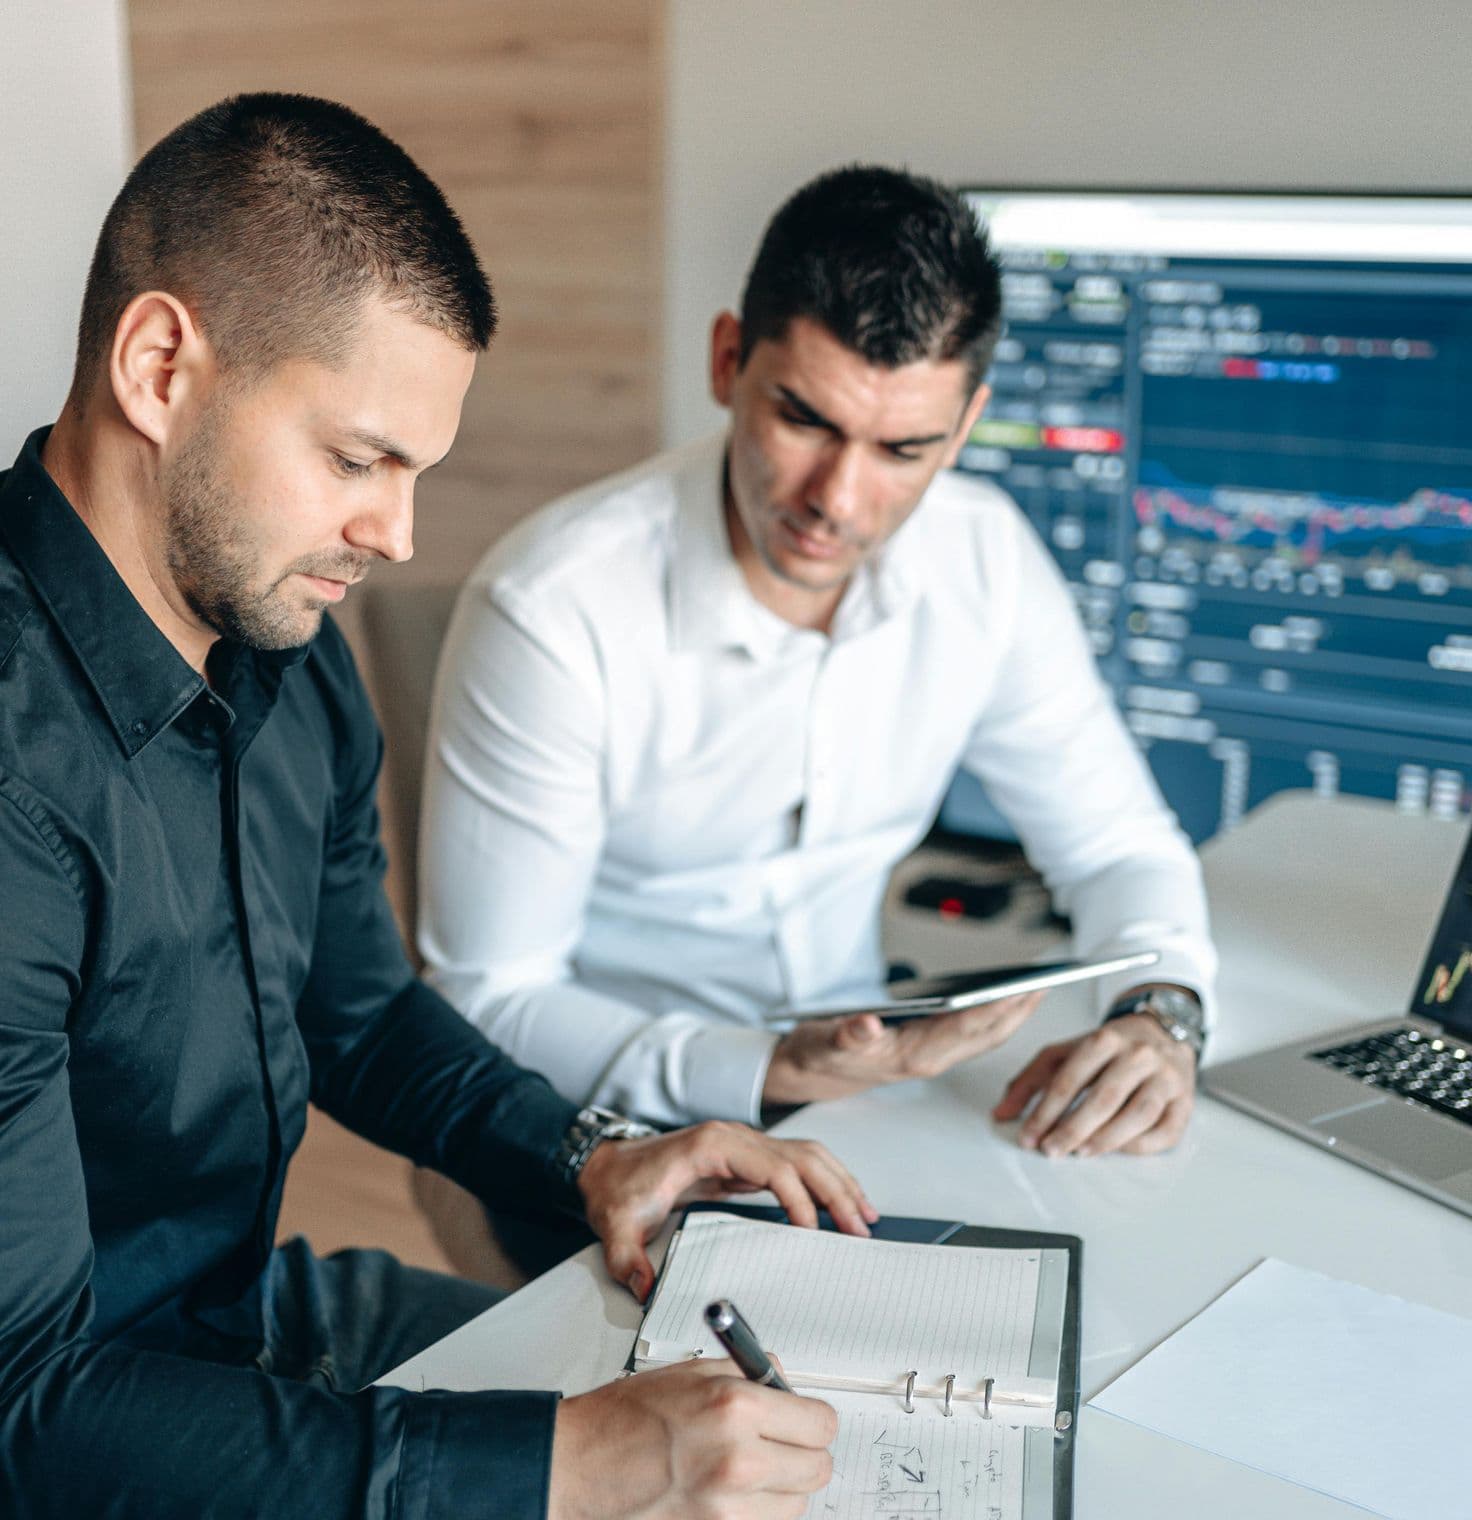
{"x":1396,"y":1095}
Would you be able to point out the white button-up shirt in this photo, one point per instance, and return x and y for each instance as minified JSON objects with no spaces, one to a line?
{"x":654,"y":810}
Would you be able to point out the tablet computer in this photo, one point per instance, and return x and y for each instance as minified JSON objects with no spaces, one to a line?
{"x":923,"y":996}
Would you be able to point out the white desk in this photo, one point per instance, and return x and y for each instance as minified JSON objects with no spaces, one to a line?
{"x":1322,"y":912}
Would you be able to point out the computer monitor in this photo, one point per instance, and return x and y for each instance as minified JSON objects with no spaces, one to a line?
{"x":1243,"y":425}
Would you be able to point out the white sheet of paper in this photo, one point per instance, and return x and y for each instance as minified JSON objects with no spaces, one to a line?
{"x":1332,"y":1386}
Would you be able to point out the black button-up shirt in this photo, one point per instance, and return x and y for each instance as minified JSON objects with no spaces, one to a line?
{"x":194,"y":941}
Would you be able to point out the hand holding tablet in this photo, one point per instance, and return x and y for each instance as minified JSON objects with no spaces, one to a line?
{"x":922,"y":997}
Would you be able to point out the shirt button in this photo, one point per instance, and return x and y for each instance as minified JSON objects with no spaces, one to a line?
{"x":139,"y":727}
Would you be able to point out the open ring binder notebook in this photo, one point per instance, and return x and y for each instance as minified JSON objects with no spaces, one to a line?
{"x":954,"y":1372}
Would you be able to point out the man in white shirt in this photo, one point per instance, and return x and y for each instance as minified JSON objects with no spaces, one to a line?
{"x":689,"y":718}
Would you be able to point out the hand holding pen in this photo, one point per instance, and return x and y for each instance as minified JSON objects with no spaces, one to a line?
{"x":732,"y":1331}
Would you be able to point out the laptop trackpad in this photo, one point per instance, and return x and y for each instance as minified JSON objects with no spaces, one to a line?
{"x":1403,"y":1137}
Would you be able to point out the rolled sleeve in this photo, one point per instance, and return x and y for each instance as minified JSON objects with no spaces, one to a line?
{"x":713,"y":1070}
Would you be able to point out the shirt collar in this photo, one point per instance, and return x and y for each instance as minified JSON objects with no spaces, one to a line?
{"x":711,"y":605}
{"x":141,"y":680}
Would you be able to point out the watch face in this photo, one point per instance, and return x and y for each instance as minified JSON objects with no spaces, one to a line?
{"x":1182,"y":1006}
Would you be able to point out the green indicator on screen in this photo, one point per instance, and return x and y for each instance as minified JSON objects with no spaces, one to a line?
{"x":1007,"y":435}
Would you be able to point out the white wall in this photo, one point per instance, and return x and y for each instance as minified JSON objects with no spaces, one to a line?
{"x":66,"y":141}
{"x":1353,"y":94}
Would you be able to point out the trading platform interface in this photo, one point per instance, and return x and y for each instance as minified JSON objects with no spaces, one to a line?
{"x":1444,"y":992}
{"x":1244,"y":427}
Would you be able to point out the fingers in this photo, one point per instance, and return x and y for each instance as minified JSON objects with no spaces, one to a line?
{"x":927,"y":1047}
{"x":784,"y":1418}
{"x":1144,"y":1110}
{"x":624,"y":1255}
{"x":835,"y":1187}
{"x":692,"y":1439}
{"x":1032,"y":1079}
{"x":798,"y":1469}
{"x":787,"y":1184}
{"x":831,"y":1058}
{"x":804,"y":1176}
{"x":861,"y":1032}
{"x":1104,"y":1092}
{"x":763,"y":1444}
{"x":1127,"y":1083}
{"x":1081,"y":1065}
{"x":752,"y":1409}
{"x":1167,"y":1132}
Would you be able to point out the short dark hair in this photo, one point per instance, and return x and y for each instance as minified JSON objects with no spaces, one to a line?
{"x":272,"y":217}
{"x":896,"y":267}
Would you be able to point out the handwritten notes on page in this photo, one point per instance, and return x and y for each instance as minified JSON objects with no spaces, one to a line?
{"x":886,"y":1462}
{"x":1335,"y":1387}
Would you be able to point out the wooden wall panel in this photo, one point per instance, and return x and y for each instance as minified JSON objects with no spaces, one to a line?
{"x":541,"y":123}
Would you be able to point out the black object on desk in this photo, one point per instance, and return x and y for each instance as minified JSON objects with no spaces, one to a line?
{"x":956,"y":897}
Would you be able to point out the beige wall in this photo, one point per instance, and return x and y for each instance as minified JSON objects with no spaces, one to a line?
{"x":540,"y":122}
{"x":539,"y":119}
{"x":66,"y":130}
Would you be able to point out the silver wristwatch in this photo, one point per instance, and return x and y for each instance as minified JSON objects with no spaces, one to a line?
{"x":1177,"y":1011}
{"x":588,"y":1131}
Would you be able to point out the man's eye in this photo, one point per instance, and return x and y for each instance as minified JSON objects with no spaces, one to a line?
{"x":797,"y":419}
{"x":349,"y":467}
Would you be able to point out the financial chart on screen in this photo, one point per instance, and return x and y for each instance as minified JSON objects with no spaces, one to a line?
{"x":1243,"y":425}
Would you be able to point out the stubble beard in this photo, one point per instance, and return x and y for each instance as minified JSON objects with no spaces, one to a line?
{"x":764,"y":534}
{"x":211,"y":558}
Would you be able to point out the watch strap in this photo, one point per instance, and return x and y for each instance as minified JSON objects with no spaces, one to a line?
{"x":1178,"y":1012}
{"x":588,"y":1130}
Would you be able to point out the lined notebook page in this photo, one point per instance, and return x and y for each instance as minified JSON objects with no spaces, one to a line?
{"x":843,"y":1307}
{"x":890,"y":1463}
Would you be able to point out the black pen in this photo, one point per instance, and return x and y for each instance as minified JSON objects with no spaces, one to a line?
{"x":724,"y":1318}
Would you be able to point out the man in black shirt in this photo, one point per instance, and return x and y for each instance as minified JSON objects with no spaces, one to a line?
{"x":280,"y":324}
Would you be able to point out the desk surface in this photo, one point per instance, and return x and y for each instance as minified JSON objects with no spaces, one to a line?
{"x":1322,"y":911}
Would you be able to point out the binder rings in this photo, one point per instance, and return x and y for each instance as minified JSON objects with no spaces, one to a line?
{"x":954,"y":1371}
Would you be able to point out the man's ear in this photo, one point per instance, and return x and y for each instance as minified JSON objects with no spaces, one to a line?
{"x":974,"y":409}
{"x":725,"y":356}
{"x":160,"y":361}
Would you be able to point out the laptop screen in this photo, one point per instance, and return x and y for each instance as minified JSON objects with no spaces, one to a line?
{"x":1444,"y":991}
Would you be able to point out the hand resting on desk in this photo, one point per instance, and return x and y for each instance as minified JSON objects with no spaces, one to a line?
{"x":1126,"y":1086}
{"x":630,"y":1187}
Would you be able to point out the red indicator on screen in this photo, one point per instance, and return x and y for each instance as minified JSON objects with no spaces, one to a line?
{"x":1240,"y":369}
{"x":951,"y":907}
{"x":1083,"y":440}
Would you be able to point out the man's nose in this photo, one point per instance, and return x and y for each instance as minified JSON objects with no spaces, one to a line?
{"x":835,"y":489}
{"x":388,"y":530}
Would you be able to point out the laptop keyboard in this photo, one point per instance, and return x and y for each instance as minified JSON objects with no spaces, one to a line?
{"x":1433,"y":1071}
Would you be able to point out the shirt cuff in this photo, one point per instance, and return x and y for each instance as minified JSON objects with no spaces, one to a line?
{"x":476,"y":1454}
{"x":726,"y":1069}
{"x":1177,"y":969}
